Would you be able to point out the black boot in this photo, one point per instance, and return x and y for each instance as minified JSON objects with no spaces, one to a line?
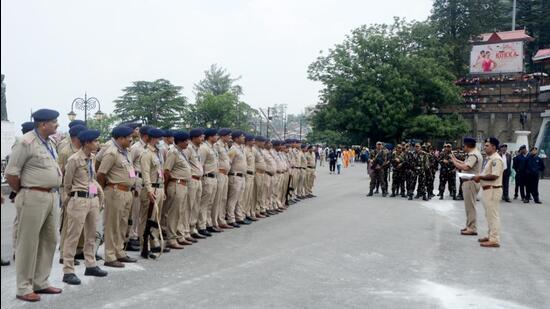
{"x":5,"y":263}
{"x":370,"y":193}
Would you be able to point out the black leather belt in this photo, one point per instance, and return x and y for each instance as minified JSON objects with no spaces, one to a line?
{"x":236,"y":174}
{"x":269,"y":173}
{"x":139,"y":174}
{"x":250,"y":172}
{"x":211,"y":175}
{"x":311,"y":166}
{"x":82,"y":194}
{"x":157,"y":185}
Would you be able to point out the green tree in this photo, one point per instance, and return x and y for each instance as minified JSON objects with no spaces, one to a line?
{"x":4,"y":108}
{"x":534,"y":15}
{"x":157,"y":103}
{"x":328,"y":137}
{"x":104,"y":125}
{"x":433,"y":127}
{"x":380,"y":77}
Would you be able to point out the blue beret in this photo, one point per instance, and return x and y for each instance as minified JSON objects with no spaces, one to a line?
{"x":493,"y":140}
{"x":210,"y":132}
{"x":236,"y":134}
{"x":277,"y":143}
{"x":224,"y":132}
{"x":45,"y":115}
{"x":88,"y":135}
{"x":249,"y":137}
{"x":155,"y":133}
{"x":121,"y":131}
{"x":469,"y":140}
{"x":168,"y":133}
{"x":27,"y":126}
{"x":145,"y":130}
{"x":304,"y":145}
{"x":180,"y":136}
{"x":288,"y":141}
{"x":196,"y":132}
{"x":132,"y":125}
{"x":77,"y":123}
{"x":76,"y":129}
{"x":260,"y":138}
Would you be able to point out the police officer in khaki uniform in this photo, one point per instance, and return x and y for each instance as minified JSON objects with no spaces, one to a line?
{"x":218,"y":214}
{"x":209,"y":159}
{"x":248,"y":200}
{"x":237,"y":178}
{"x":67,"y":140}
{"x":64,"y":154}
{"x":177,"y":174}
{"x":194,"y":192}
{"x":470,"y":188}
{"x":82,"y":209}
{"x":287,"y":190}
{"x":117,"y":176}
{"x":33,"y":172}
{"x":152,"y":193}
{"x":491,"y":183}
{"x":260,"y":178}
{"x":278,"y":177}
{"x":310,"y":171}
{"x":269,"y":181}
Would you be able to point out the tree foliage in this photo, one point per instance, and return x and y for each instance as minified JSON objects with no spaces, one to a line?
{"x":379,"y":79}
{"x":104,"y":126}
{"x":157,"y":103}
{"x":432,"y":127}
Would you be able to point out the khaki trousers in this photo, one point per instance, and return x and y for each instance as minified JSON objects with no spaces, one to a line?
{"x":36,"y":239}
{"x":208,"y":196}
{"x":117,"y":210}
{"x":185,"y":216}
{"x":302,"y":183}
{"x":235,"y":192}
{"x":267,"y":187}
{"x":82,"y":216}
{"x":174,"y":206}
{"x":136,"y":204}
{"x":63,"y":232}
{"x":259,"y":189}
{"x":469,"y":192}
{"x":194,"y":194}
{"x":286,"y":180}
{"x":217,"y":216}
{"x":491,"y":201}
{"x":157,"y":211}
{"x":276,"y":193}
{"x":310,"y":179}
{"x":246,"y":202}
{"x":294,"y":182}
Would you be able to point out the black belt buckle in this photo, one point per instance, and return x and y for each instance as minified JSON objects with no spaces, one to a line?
{"x":250,"y":173}
{"x":156,"y":185}
{"x":82,"y":194}
{"x":211,"y":175}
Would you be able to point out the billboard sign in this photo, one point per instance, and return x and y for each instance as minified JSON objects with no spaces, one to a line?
{"x":497,"y":58}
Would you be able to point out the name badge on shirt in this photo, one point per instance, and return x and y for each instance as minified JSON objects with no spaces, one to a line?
{"x":92,"y":189}
{"x":161,"y":173}
{"x":132,"y":173}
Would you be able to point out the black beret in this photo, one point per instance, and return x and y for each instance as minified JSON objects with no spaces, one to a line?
{"x":260,"y":138}
{"x":45,"y":115}
{"x":522,"y":147}
{"x":132,"y":125}
{"x":210,"y":132}
{"x":76,"y":123}
{"x":75,"y":130}
{"x":168,"y":133}
{"x":249,"y":137}
{"x":155,"y":133}
{"x":493,"y":141}
{"x":88,"y":135}
{"x":27,"y":126}
{"x":503,"y":145}
{"x":121,"y":131}
{"x":236,"y":134}
{"x":275,"y":143}
{"x":304,"y":146}
{"x":196,"y":132}
{"x":145,"y":130}
{"x":180,"y":136}
{"x":224,"y":132}
{"x":469,"y":140}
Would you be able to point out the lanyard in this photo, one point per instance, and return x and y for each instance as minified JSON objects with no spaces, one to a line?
{"x":47,"y":145}
{"x":90,"y":169}
{"x":183,"y":155}
{"x":161,"y":159}
{"x":124,"y":152}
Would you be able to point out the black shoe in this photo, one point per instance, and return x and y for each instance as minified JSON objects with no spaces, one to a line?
{"x":127,"y":259}
{"x":424,"y":198}
{"x":210,"y":229}
{"x":384,"y":194}
{"x":98,"y":257}
{"x":76,"y":262}
{"x":205,"y":233}
{"x":536,"y":202}
{"x":71,"y":279}
{"x":507,"y":200}
{"x":134,"y":242}
{"x":392,"y":195}
{"x":79,"y":256}
{"x":95,"y":271}
{"x":410,"y":198}
{"x":242,"y":222}
{"x":454,"y":198}
{"x":526,"y":201}
{"x":370,"y":193}
{"x":197,"y":236}
{"x":235,"y":225}
{"x":132,"y":247}
{"x":157,"y":250}
{"x":376,"y":192}
{"x":5,"y":263}
{"x":515,"y":197}
{"x":441,"y":197}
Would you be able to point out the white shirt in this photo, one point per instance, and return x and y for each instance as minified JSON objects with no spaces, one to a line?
{"x":503,"y":157}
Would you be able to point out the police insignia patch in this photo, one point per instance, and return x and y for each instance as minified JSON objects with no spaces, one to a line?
{"x":494,"y":163}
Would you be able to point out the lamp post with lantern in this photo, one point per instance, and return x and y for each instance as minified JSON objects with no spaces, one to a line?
{"x":86,"y":104}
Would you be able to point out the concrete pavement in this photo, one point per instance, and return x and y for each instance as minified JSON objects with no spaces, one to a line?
{"x":339,"y":250}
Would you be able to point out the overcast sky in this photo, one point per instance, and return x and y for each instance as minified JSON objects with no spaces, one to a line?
{"x":54,"y":51}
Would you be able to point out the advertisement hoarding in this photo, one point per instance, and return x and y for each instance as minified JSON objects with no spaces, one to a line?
{"x":497,"y":58}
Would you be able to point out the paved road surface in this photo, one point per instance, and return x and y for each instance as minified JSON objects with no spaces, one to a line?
{"x":339,"y":250}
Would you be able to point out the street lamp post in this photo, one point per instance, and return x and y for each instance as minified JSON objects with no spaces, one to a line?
{"x":86,"y":104}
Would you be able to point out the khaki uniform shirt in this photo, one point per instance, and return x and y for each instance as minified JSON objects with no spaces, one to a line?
{"x":136,"y":150}
{"x":64,"y":155}
{"x":270,"y":164}
{"x":259,"y":161}
{"x":63,"y":143}
{"x":237,"y":158}
{"x":310,"y":159}
{"x":178,"y":164}
{"x":223,"y":159}
{"x":195,"y":160}
{"x":495,"y":167}
{"x":152,"y":170}
{"x":209,"y":158}
{"x":117,"y":166}
{"x":103,"y":148}
{"x":33,"y":163}
{"x":475,"y":161}
{"x":80,"y":175}
{"x":302,"y":159}
{"x":250,"y":158}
